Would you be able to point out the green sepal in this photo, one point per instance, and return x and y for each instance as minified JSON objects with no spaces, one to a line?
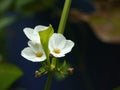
{"x":61,"y":71}
{"x":45,"y":66}
{"x":43,"y":70}
{"x":44,"y":37}
{"x":63,"y":65}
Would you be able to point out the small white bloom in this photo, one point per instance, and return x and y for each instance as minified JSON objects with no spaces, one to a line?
{"x":33,"y":34}
{"x":59,"y":46}
{"x":34,"y":52}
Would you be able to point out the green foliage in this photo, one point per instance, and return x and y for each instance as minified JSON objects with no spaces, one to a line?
{"x":4,"y":5}
{"x":5,"y":21}
{"x":59,"y":69}
{"x":9,"y":73}
{"x":44,"y":37}
{"x":21,"y":3}
{"x":62,"y":71}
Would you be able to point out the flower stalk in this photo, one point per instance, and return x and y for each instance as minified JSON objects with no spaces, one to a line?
{"x":64,"y":16}
{"x":61,"y":29}
{"x":49,"y":79}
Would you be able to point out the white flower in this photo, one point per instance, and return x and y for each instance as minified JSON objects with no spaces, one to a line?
{"x":34,"y":52}
{"x":33,"y":34}
{"x":59,"y":46}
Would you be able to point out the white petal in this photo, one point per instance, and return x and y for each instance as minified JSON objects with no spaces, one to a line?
{"x":57,"y":41}
{"x":68,"y":46}
{"x":40,"y":28}
{"x":28,"y":32}
{"x":30,"y":55}
{"x":36,"y":37}
{"x":32,"y":35}
{"x":36,"y":47}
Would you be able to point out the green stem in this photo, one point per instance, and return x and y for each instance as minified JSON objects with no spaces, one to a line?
{"x":60,"y":30}
{"x":48,"y":83}
{"x":64,"y":16}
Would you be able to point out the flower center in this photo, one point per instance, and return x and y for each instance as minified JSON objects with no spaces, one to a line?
{"x":39,"y":54}
{"x":57,"y":51}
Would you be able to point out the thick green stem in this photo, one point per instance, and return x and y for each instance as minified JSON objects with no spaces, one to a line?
{"x":48,"y":83}
{"x":64,"y":16}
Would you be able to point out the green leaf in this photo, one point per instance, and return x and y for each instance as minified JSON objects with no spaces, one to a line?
{"x":9,"y":73}
{"x":44,"y":37}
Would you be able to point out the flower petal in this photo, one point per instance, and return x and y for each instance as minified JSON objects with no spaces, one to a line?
{"x":57,"y":41}
{"x":28,"y":54}
{"x":68,"y":46}
{"x":32,"y":35}
{"x":40,"y":28}
{"x":36,"y":47}
{"x":28,"y":32}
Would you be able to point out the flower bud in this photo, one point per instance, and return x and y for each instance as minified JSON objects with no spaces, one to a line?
{"x":37,"y":74}
{"x":70,"y":70}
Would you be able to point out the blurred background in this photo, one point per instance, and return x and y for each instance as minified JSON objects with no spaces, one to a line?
{"x":94,"y":26}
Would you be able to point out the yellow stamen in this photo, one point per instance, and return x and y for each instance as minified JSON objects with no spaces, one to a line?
{"x":39,"y":54}
{"x":57,"y":51}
